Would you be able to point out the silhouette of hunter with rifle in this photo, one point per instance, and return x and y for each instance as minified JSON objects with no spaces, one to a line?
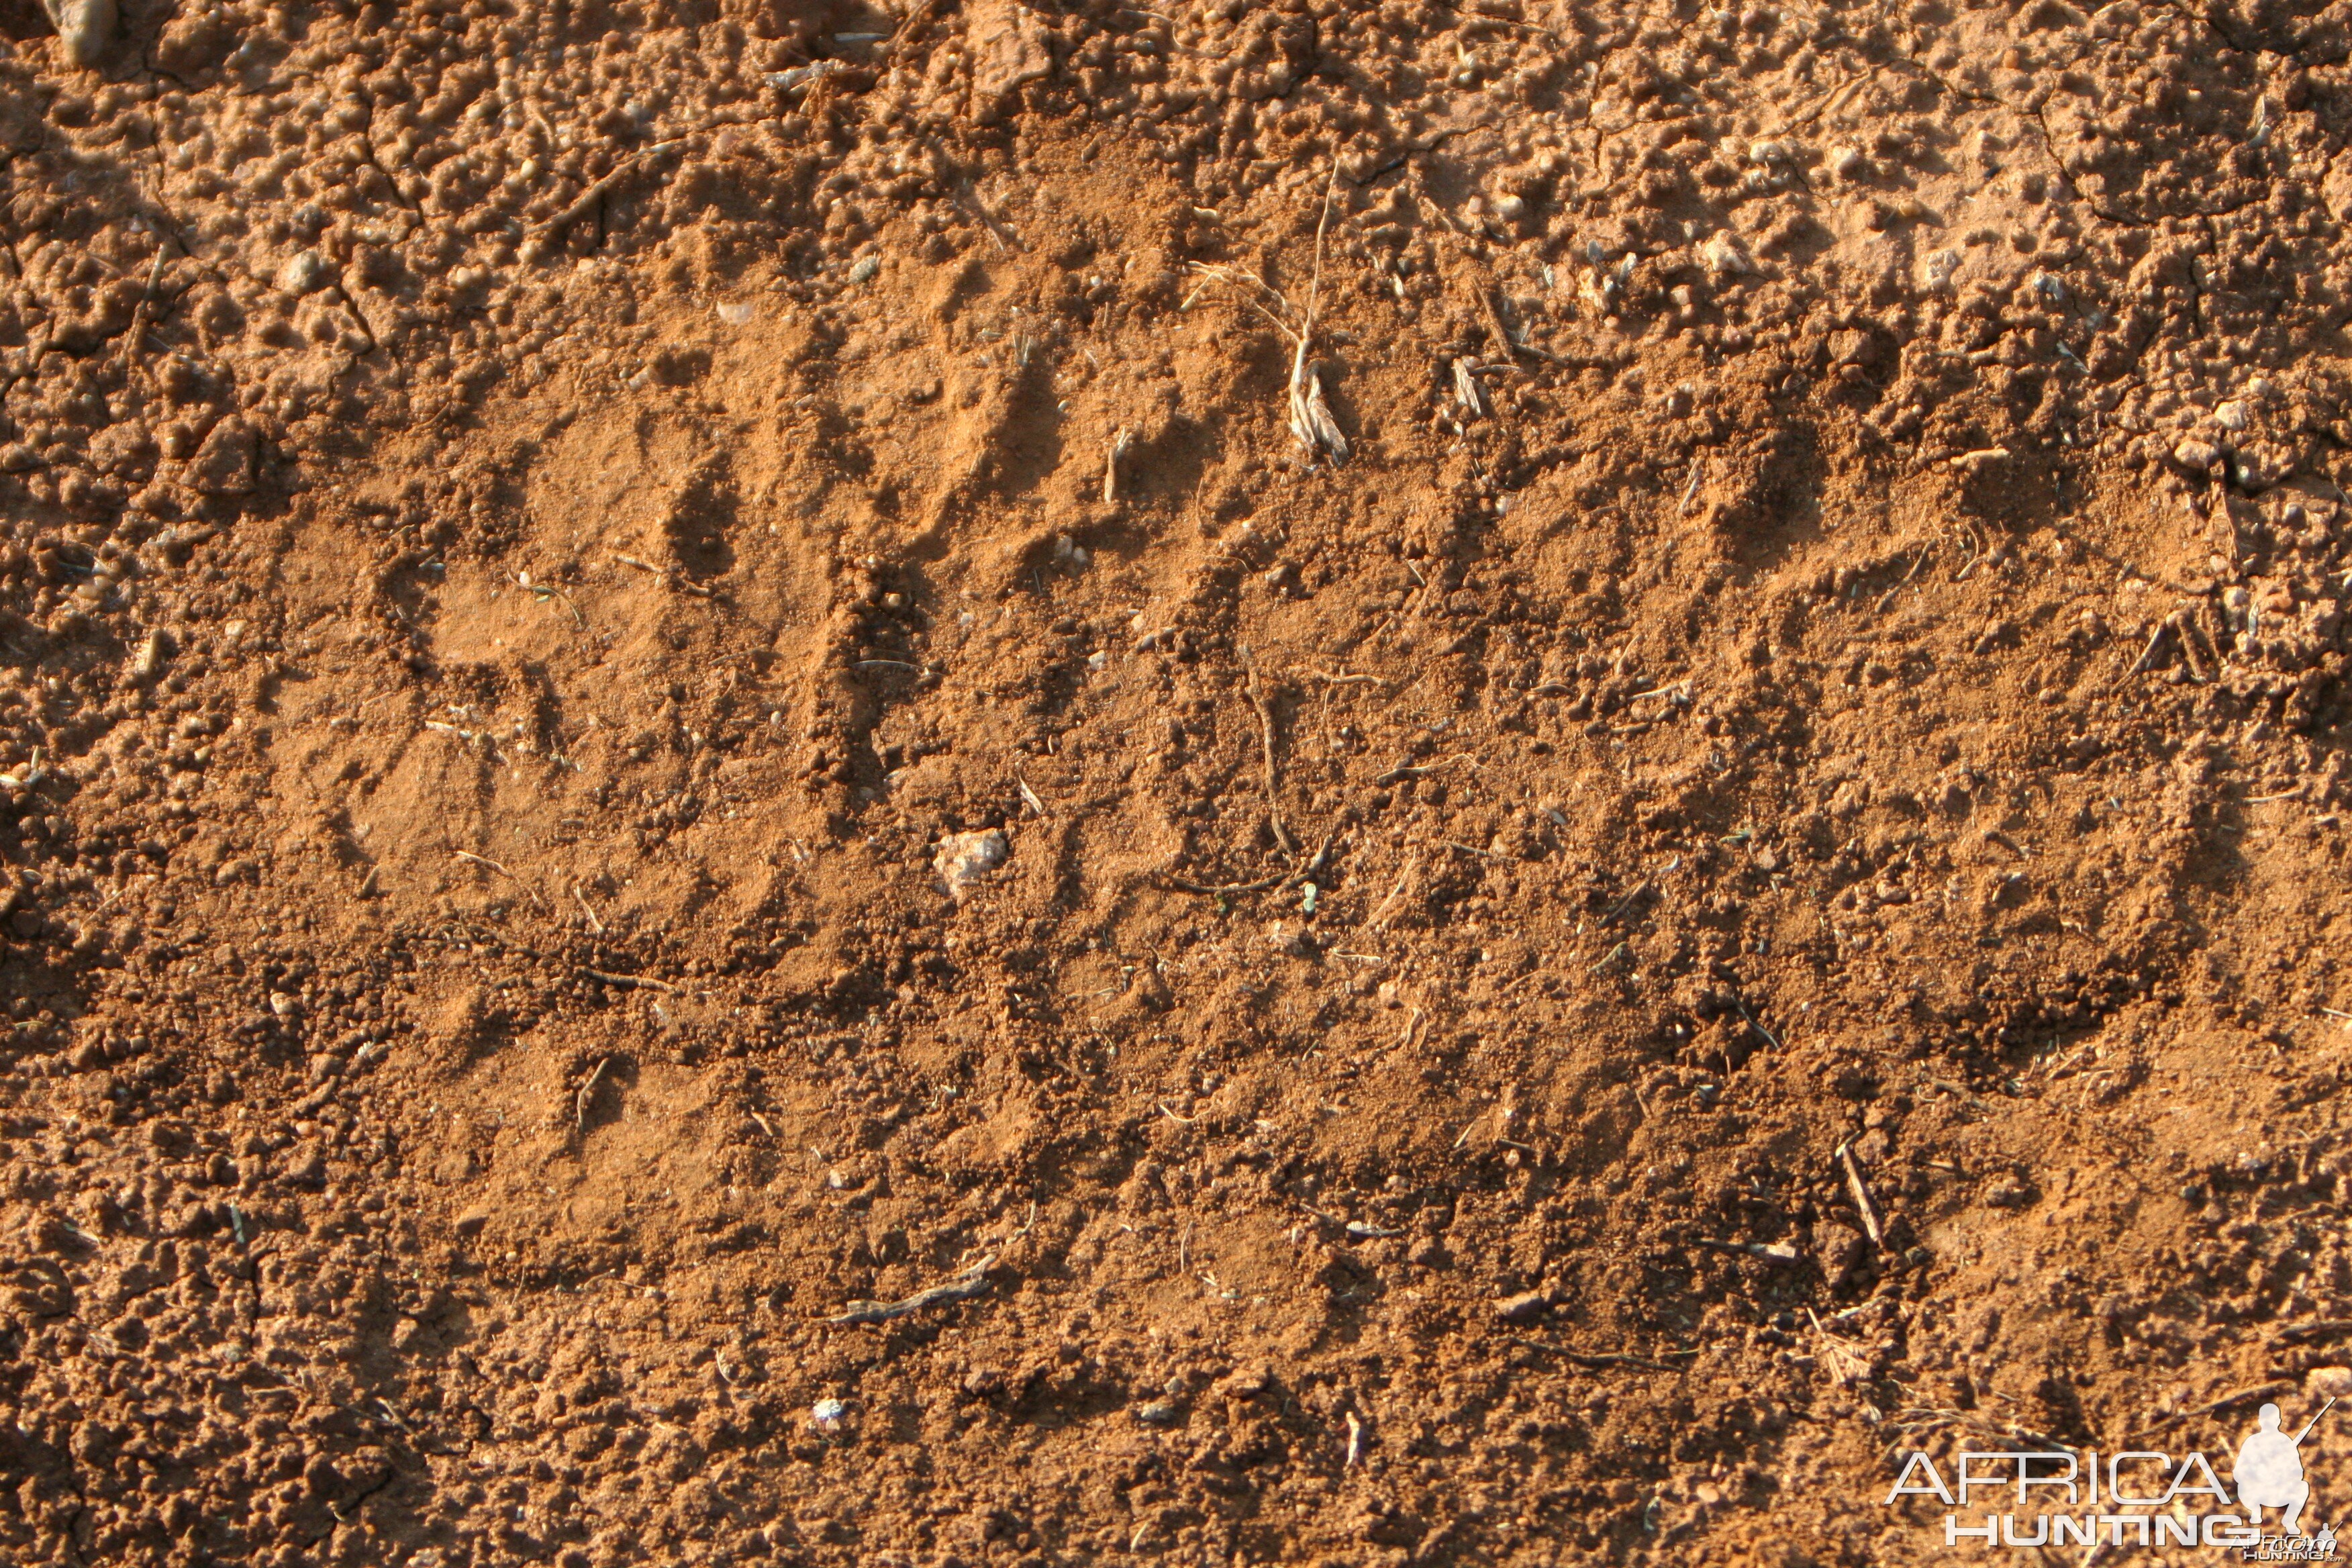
{"x":2270,"y":1470}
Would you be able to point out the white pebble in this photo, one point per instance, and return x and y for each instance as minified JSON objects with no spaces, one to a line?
{"x":84,"y":28}
{"x":305,"y":272}
{"x":965,"y":857}
{"x":735,"y":313}
{"x":829,"y":1416}
{"x":865,"y":268}
{"x":1723,"y":256}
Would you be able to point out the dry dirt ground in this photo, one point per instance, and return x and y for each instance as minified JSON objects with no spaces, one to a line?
{"x":538,"y":542}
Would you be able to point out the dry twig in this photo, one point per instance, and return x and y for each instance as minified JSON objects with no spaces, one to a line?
{"x":587,"y":1095}
{"x":1848,"y":1365}
{"x":972,"y":1282}
{"x":586,"y":201}
{"x":2155,"y":640}
{"x":1119,"y":446}
{"x":635,"y":982}
{"x":2235,"y":1397}
{"x":1863,"y":1201}
{"x":1310,"y":415}
{"x":1413,"y":771}
{"x":1467,"y":392}
{"x":1698,"y":472}
{"x":1266,"y":736}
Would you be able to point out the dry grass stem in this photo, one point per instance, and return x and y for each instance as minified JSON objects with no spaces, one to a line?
{"x":1311,"y":420}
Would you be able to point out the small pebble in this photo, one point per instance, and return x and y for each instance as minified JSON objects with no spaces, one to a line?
{"x":829,"y":1416}
{"x":2333,"y":1382}
{"x":84,"y":29}
{"x":1521,"y":1309}
{"x":1723,"y":256}
{"x":964,"y":858}
{"x":865,"y":269}
{"x":305,"y":272}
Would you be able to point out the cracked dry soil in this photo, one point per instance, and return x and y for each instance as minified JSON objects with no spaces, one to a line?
{"x":715,"y":851}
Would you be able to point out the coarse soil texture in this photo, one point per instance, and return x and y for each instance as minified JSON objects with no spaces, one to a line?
{"x":1291,"y":783}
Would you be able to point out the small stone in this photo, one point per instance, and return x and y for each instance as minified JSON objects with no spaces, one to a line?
{"x":2197,"y":455}
{"x":964,"y":858}
{"x":2008,"y":1193}
{"x":829,"y":1418}
{"x":1839,"y":1251}
{"x":1853,"y":346}
{"x":864,"y":269}
{"x":84,"y":29}
{"x":1158,"y":1413}
{"x":1723,"y":256}
{"x":305,"y":272}
{"x":1523,"y":1308}
{"x":470,"y":1223}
